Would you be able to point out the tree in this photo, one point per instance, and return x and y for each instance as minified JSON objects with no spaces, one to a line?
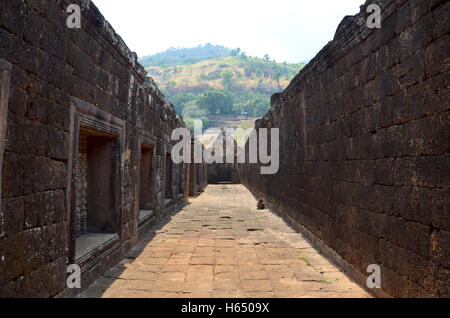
{"x":258,"y":105}
{"x":191,"y":113}
{"x":180,"y":100}
{"x":192,"y":110}
{"x":248,"y":71}
{"x":227,"y":77}
{"x":236,"y":52}
{"x":266,"y":57}
{"x":216,"y":101}
{"x":277,"y":77}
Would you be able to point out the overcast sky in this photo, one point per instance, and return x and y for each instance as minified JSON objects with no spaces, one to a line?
{"x":286,"y":30}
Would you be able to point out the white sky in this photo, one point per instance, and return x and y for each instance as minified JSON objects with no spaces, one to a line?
{"x":287,"y":30}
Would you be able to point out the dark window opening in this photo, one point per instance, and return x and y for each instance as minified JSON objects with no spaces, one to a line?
{"x":168,"y":179}
{"x":181,"y":179}
{"x":96,"y":184}
{"x":147,"y":192}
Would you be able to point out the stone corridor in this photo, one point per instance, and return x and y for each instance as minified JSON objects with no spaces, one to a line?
{"x":220,"y":245}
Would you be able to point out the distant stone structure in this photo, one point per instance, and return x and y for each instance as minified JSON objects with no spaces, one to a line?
{"x":365,"y":149}
{"x":85,"y":140}
{"x":223,"y":172}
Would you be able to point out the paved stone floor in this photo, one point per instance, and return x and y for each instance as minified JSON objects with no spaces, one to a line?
{"x":220,"y":245}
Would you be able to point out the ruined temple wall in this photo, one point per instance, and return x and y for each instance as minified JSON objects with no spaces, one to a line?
{"x":364,"y":147}
{"x":223,"y":171}
{"x":57,"y":75}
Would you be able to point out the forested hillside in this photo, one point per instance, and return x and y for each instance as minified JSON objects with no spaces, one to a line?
{"x":210,"y":80}
{"x":183,"y":56}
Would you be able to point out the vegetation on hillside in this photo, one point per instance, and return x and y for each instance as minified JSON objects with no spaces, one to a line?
{"x":183,"y":56}
{"x":213,"y":80}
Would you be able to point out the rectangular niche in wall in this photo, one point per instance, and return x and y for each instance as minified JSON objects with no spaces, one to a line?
{"x":101,"y":181}
{"x":95,"y":185}
{"x":147,"y":186}
{"x":168,"y":177}
{"x":5,"y":79}
{"x":181,"y":179}
{"x":147,"y":180}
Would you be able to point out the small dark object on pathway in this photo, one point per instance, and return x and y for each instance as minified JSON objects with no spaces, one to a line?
{"x":261,"y":205}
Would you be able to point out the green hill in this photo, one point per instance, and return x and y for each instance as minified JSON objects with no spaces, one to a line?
{"x":183,"y":56}
{"x":209,"y":81}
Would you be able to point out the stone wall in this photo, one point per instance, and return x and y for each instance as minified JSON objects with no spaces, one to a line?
{"x":63,"y":79}
{"x":364,"y":147}
{"x":198,"y":172}
{"x":202,"y":177}
{"x":223,"y":171}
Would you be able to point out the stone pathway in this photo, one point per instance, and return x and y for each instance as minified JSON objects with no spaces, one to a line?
{"x":220,"y":245}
